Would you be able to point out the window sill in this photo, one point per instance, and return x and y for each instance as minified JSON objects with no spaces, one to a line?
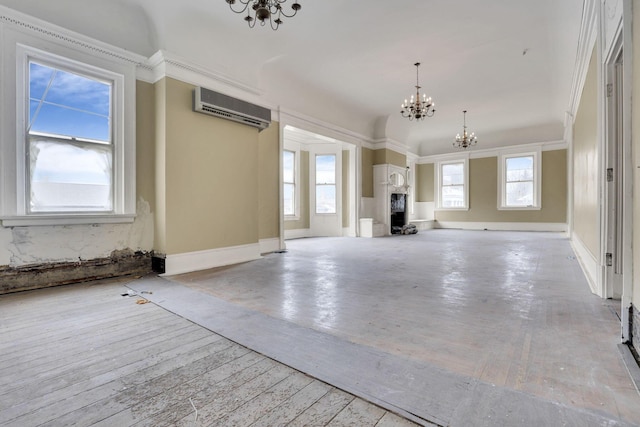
{"x":291,"y":218}
{"x":452,"y":209}
{"x":519,"y":208}
{"x":33,"y":220}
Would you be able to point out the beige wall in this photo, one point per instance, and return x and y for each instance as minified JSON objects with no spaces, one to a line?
{"x":585,"y":163}
{"x":160,"y":229}
{"x":145,"y":142}
{"x":483,"y":193}
{"x":303,"y":222}
{"x":386,"y":156}
{"x":367,"y":172}
{"x":210,"y":174}
{"x":346,"y":211}
{"x":269,"y":178}
{"x":425,"y":182}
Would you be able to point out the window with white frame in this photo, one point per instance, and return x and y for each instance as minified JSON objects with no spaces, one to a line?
{"x":519,"y":181}
{"x":326,"y":202}
{"x":289,"y":182}
{"x":69,"y":143}
{"x":74,"y":144}
{"x":452,"y":184}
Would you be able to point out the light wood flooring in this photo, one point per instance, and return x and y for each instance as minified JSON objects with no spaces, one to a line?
{"x":87,"y":355}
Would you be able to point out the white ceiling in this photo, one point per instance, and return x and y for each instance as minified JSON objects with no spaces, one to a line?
{"x":510,"y":63}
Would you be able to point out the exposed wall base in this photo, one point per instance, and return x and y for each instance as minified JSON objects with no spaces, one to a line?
{"x":36,"y":276}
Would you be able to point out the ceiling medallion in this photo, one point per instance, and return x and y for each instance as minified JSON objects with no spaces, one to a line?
{"x":416,"y":108}
{"x":465,"y":141}
{"x":264,"y":11}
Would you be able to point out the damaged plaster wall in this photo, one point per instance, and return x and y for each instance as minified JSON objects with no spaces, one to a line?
{"x":38,"y":245}
{"x":34,"y":257}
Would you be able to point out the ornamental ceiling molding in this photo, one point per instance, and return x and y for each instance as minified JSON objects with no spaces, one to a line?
{"x":41,"y":29}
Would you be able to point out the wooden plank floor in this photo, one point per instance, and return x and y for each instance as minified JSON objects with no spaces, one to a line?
{"x":86,"y":355}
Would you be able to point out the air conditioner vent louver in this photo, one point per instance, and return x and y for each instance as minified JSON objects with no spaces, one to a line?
{"x":216,"y":104}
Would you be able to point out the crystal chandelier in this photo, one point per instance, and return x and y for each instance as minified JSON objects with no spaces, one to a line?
{"x":465,"y":141}
{"x":420,"y":107}
{"x":264,"y":11}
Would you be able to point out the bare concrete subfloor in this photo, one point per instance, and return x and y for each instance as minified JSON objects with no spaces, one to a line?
{"x":511,"y":310}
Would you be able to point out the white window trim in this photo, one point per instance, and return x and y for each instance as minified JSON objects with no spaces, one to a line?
{"x":17,"y":49}
{"x":438,"y":190}
{"x":295,"y":149}
{"x":296,"y":186}
{"x":537,"y":179}
{"x":338,"y":181}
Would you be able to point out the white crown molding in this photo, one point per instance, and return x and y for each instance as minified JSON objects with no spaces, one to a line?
{"x":495,"y":152}
{"x":168,"y":64}
{"x":389,"y":144}
{"x":329,"y":130}
{"x":586,"y":42}
{"x":43,"y":29}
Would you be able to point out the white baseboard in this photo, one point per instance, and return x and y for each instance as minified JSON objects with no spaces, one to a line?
{"x":422,"y":224}
{"x":589,"y":264}
{"x":503,"y":226}
{"x":268,"y":246}
{"x":297,"y":234}
{"x":202,"y":260}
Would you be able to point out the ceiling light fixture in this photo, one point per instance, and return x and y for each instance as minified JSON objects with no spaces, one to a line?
{"x":416,"y":108}
{"x":264,"y":11}
{"x":465,"y":141}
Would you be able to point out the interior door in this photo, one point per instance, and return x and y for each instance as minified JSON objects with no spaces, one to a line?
{"x":325,"y":192}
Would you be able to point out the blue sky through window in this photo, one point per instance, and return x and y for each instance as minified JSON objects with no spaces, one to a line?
{"x":64,"y":103}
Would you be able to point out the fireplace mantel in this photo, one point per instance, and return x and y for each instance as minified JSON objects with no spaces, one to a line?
{"x":387,"y":180}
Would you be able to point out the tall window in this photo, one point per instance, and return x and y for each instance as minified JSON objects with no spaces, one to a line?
{"x":519,"y":181}
{"x":289,"y":179}
{"x":326,"y":184}
{"x":452,"y":185}
{"x":72,"y":157}
{"x":69,"y":138}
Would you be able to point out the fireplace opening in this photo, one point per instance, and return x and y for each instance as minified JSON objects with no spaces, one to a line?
{"x":398,"y":212}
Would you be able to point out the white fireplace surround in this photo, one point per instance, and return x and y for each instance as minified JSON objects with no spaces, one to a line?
{"x":388,"y":179}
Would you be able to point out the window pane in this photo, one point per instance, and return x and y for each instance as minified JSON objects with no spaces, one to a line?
{"x":65,"y":103}
{"x":453,"y":174}
{"x":325,"y":199}
{"x":453,"y":196}
{"x":65,"y":177}
{"x":326,"y":169}
{"x":519,"y":168}
{"x":289,"y":199}
{"x":288,"y":166}
{"x":519,"y":193}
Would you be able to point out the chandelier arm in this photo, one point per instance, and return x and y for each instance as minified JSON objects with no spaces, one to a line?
{"x":293,"y":6}
{"x":245,"y":3}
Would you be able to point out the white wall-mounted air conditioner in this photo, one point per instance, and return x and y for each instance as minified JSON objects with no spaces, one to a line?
{"x":216,"y":104}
